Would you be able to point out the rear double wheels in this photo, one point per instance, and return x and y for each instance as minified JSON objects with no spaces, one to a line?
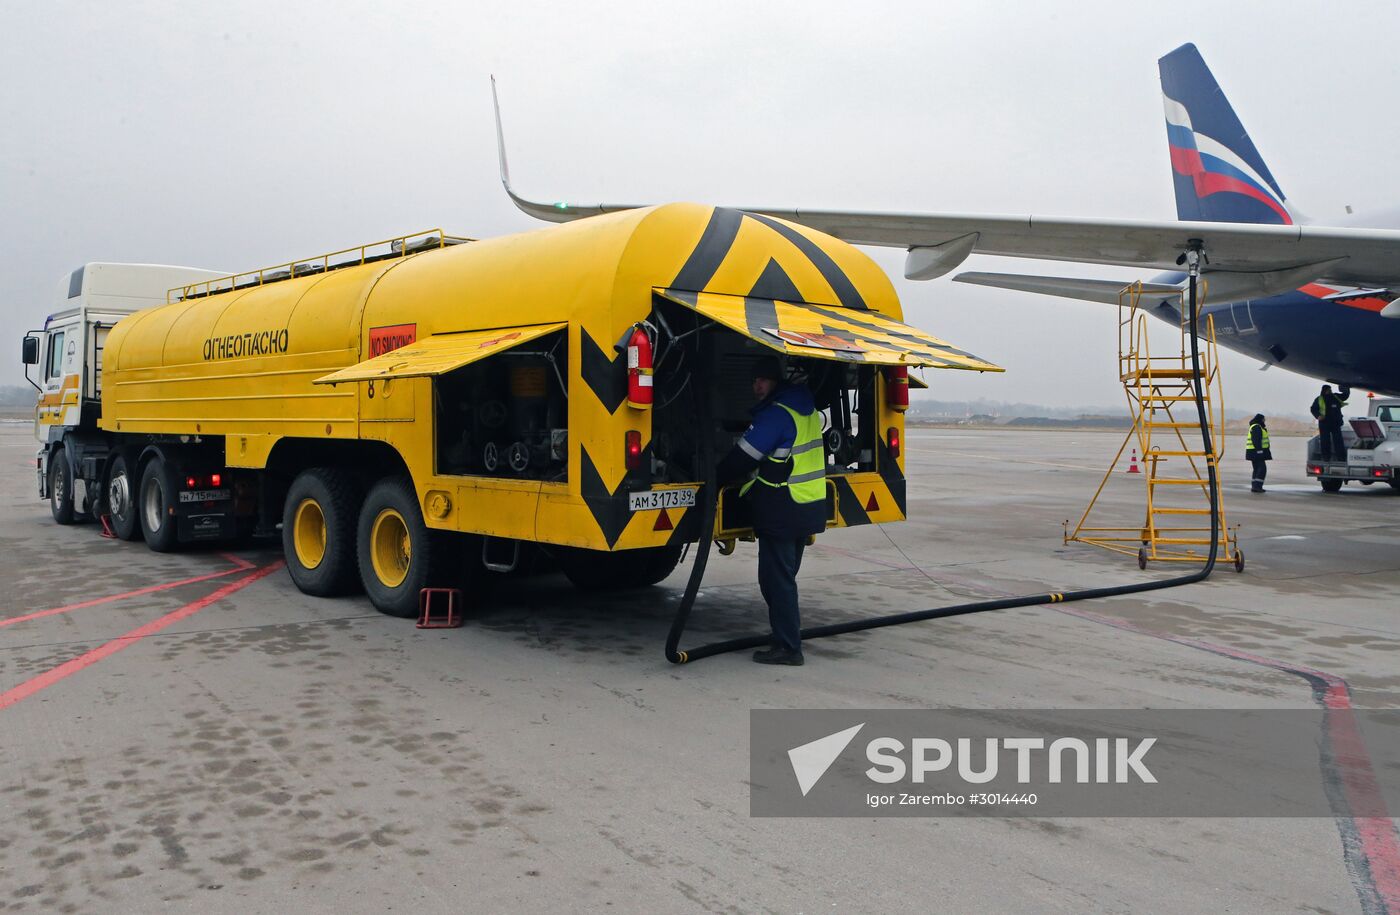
{"x":121,"y":500}
{"x":1331,"y":485}
{"x":397,"y":553}
{"x":155,"y":505}
{"x":318,"y":531}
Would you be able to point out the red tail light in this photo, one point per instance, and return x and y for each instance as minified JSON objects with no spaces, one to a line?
{"x":897,"y":388}
{"x":1315,"y":468}
{"x":1379,"y":472}
{"x":634,"y":449}
{"x":191,"y":482}
{"x":893,"y":438}
{"x":216,"y":480}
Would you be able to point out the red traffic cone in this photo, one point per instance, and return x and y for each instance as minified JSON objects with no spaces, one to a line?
{"x":1133,"y":464}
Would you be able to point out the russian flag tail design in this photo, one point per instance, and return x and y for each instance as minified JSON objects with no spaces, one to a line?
{"x":1219,"y":175}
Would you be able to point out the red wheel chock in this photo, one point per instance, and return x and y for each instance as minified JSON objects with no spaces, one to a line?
{"x":107,"y":527}
{"x":426,"y":606}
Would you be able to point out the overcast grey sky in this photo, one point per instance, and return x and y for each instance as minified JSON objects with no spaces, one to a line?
{"x":236,"y":135}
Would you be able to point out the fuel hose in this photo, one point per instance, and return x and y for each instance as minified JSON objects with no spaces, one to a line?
{"x":675,"y":655}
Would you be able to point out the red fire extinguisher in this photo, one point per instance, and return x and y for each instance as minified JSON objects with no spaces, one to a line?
{"x":639,"y":366}
{"x":897,"y":388}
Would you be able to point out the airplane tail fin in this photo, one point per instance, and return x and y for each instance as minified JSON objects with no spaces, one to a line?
{"x":1219,"y":175}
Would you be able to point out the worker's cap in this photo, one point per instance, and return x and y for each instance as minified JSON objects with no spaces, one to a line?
{"x":1326,"y":389}
{"x":767,"y":366}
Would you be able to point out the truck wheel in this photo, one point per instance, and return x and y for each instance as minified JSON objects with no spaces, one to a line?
{"x":318,"y":531}
{"x":156,"y":506}
{"x":598,"y":570}
{"x":396,"y":552}
{"x":60,"y":487}
{"x":1331,"y":485}
{"x":121,"y":501}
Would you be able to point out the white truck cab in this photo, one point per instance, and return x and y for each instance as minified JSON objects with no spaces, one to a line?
{"x":1372,"y":450}
{"x":63,"y":361}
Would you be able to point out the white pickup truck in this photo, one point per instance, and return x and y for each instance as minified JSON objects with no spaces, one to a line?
{"x":1373,"y":450}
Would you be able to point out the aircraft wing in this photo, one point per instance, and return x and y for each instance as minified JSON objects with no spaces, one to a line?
{"x":1107,"y":292}
{"x":938,"y":242}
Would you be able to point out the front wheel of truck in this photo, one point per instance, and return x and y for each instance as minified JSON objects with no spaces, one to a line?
{"x":61,"y":487}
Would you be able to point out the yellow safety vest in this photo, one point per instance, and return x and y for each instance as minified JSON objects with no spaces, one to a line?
{"x":1249,"y":438}
{"x":806,"y":482}
{"x":1322,"y":405}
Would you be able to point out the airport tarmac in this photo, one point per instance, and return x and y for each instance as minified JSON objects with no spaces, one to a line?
{"x":219,"y":742}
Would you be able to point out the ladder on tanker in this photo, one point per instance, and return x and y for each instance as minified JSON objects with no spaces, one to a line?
{"x":1166,"y":431}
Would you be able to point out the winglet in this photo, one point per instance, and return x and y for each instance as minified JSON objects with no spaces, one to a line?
{"x":550,"y":212}
{"x":500,"y":140}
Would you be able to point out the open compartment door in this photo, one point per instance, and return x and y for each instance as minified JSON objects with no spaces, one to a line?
{"x":440,"y":353}
{"x":828,"y":331}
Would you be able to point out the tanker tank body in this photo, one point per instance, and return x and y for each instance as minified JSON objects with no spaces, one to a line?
{"x":423,"y":412}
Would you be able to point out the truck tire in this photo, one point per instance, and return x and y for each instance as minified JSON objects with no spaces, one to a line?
{"x":397,"y":553}
{"x":598,"y":570}
{"x":318,"y":531}
{"x":156,"y":506}
{"x":121,"y":501}
{"x":61,"y":487}
{"x":1331,"y":485}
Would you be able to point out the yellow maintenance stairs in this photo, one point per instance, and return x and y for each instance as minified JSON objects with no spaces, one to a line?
{"x":1166,"y":432}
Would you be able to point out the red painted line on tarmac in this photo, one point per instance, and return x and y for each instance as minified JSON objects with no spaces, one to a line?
{"x":1372,"y":833}
{"x":1369,"y":844}
{"x":68,"y":668}
{"x":240,"y":565}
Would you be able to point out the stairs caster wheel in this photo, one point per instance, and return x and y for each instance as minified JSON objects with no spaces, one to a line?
{"x":1239,"y":561}
{"x":1142,"y":558}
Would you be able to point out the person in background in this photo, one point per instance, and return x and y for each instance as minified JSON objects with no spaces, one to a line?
{"x":1327,"y":409}
{"x":787,"y":495}
{"x":1256,"y":451}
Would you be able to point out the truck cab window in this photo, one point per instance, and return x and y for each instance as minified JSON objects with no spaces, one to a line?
{"x":54,"y":370}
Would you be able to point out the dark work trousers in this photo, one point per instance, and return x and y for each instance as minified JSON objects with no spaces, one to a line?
{"x":1332,"y":445}
{"x":779,"y":558}
{"x":1261,"y":470}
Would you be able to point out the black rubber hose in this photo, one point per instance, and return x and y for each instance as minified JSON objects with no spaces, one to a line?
{"x":916,"y":616}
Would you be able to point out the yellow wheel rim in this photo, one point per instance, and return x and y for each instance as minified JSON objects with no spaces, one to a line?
{"x":390,"y":548}
{"x":309,"y":534}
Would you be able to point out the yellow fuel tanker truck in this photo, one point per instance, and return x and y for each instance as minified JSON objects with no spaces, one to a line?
{"x":422,"y":411}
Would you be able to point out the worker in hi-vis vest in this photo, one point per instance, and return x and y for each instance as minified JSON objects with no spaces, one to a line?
{"x":1256,"y":451}
{"x":783,"y":449}
{"x":1327,"y":409}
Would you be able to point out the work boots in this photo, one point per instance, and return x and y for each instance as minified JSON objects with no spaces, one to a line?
{"x":776,"y":655}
